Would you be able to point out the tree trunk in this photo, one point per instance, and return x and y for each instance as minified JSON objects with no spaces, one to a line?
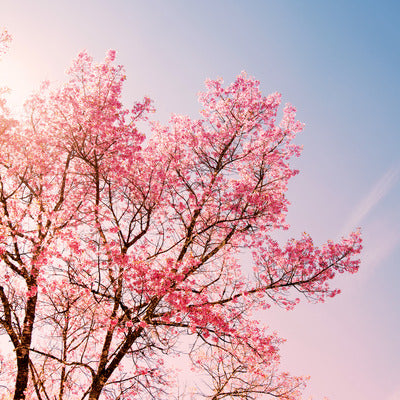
{"x":22,"y":374}
{"x":22,"y":350}
{"x":96,"y":389}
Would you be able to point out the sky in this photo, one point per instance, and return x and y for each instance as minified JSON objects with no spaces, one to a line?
{"x":337,"y":62}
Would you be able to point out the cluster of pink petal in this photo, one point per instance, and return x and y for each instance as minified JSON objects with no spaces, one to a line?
{"x":5,"y":39}
{"x":301,"y":265}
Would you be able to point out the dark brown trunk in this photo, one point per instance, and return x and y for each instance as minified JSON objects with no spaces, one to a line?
{"x":96,"y":389}
{"x":22,"y":374}
{"x":22,"y":351}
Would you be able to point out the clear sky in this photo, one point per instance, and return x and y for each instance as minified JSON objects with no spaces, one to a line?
{"x":338,"y":62}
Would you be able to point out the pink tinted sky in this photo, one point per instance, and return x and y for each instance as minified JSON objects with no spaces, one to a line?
{"x":338,"y":62}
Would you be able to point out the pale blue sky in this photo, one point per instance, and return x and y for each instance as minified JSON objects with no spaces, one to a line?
{"x":338,"y":63}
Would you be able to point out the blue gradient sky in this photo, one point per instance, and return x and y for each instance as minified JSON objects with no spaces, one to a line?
{"x":338,"y":63}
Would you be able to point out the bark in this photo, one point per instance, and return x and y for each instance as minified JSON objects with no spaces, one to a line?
{"x":22,"y":350}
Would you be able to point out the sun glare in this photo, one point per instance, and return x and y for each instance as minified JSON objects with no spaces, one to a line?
{"x":16,"y":78}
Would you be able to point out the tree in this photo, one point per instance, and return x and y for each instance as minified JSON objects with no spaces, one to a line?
{"x":116,"y":248}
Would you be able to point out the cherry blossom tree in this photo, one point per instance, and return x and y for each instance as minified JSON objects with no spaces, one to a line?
{"x":119,"y":249}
